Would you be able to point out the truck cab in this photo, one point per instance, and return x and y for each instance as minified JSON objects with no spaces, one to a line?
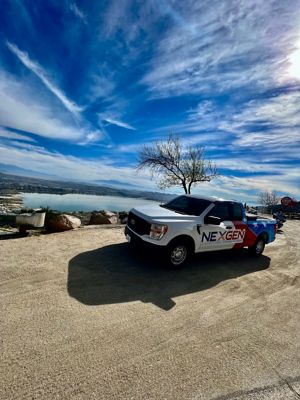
{"x":192,"y":224}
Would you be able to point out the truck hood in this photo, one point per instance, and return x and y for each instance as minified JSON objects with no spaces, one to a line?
{"x":156,"y":213}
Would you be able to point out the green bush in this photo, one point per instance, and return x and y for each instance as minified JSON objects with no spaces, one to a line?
{"x":50,"y":215}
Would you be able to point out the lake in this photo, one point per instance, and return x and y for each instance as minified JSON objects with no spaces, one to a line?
{"x":81,"y":202}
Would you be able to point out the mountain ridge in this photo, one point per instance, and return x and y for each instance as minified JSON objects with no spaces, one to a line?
{"x":10,"y":183}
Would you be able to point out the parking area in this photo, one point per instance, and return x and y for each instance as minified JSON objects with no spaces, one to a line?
{"x":84,"y":318}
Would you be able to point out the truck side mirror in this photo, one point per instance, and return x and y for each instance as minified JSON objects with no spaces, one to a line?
{"x":211,"y":220}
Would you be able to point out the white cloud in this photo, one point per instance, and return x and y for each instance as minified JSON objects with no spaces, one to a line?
{"x":102,"y":85}
{"x":71,"y":167}
{"x":223,"y":46}
{"x":248,"y":188}
{"x":124,"y":23}
{"x":281,"y":111}
{"x":129,"y":148}
{"x":92,"y":137}
{"x":28,"y":146}
{"x":7,"y":134}
{"x":78,"y":12}
{"x":268,"y":124}
{"x":280,"y":183}
{"x":117,"y":122}
{"x":20,"y":110}
{"x":42,"y":75}
{"x":116,"y":15}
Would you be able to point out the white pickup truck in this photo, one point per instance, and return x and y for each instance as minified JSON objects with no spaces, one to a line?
{"x":191,"y":224}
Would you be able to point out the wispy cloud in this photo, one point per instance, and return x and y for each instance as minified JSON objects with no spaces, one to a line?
{"x":78,"y":12}
{"x":248,"y":188}
{"x":270,"y":123}
{"x":255,"y":184}
{"x":7,"y":134}
{"x":42,"y":75}
{"x":217,"y":52}
{"x":129,"y":148}
{"x":92,"y":137}
{"x":71,"y":167}
{"x":115,"y":16}
{"x":101,"y":86}
{"x":27,"y":146}
{"x":130,"y":21}
{"x":117,"y":122}
{"x":169,"y":8}
{"x":20,"y":110}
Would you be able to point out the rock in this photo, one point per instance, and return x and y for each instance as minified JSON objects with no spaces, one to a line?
{"x":63,"y":222}
{"x":104,"y":217}
{"x":84,"y":216}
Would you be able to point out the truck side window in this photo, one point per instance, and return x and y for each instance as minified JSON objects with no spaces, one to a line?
{"x":237,"y":212}
{"x":221,"y":210}
{"x":187,"y":205}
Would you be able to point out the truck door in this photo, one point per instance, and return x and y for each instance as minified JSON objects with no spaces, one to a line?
{"x":239,"y":220}
{"x":220,"y":234}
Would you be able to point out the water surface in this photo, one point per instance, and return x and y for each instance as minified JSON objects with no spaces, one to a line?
{"x":81,"y":202}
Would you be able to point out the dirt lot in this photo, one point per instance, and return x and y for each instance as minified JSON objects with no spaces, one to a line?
{"x":82,"y":318}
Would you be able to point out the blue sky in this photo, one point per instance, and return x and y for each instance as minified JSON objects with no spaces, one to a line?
{"x":84,"y":84}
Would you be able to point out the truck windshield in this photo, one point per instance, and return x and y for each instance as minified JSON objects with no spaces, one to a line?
{"x":187,"y":205}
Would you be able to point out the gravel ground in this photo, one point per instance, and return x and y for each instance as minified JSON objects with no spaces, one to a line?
{"x":83,"y":318}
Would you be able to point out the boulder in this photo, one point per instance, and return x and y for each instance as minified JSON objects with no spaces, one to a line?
{"x":103,"y":217}
{"x":63,"y":222}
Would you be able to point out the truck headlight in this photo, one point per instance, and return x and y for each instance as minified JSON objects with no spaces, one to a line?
{"x":158,"y":231}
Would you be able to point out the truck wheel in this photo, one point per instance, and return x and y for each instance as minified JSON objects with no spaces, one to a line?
{"x":258,"y":247}
{"x":177,"y":254}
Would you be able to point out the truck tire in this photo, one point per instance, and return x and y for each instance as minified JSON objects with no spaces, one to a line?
{"x":258,"y":248}
{"x":178,"y":253}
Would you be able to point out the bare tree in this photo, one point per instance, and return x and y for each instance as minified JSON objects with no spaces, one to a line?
{"x":268,"y":199}
{"x":177,"y":165}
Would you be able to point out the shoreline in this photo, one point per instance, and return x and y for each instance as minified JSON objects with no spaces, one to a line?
{"x":10,"y":183}
{"x":10,"y":203}
{"x":79,"y":202}
{"x":71,"y":202}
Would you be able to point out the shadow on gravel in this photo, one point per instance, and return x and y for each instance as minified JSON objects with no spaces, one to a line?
{"x":113,"y":274}
{"x":13,"y":235}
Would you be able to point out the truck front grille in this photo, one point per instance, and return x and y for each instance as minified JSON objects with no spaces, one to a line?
{"x":138,"y":224}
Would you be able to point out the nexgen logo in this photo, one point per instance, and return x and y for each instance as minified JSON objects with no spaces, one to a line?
{"x":237,"y":234}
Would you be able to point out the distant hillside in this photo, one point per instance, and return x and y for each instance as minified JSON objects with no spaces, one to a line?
{"x":15,"y":183}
